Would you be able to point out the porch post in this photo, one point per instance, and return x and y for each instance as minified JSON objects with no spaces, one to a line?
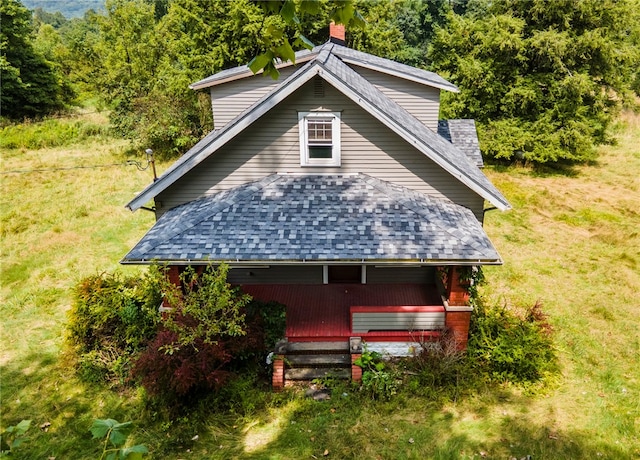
{"x":355,"y":348}
{"x":458,"y":311}
{"x":173,"y":273}
{"x":457,"y":290}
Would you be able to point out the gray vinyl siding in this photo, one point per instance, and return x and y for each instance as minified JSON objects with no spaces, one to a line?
{"x":230,"y":99}
{"x":393,"y":275}
{"x":277,"y":274}
{"x":423,"y":102}
{"x":396,"y":321}
{"x":271,"y":145}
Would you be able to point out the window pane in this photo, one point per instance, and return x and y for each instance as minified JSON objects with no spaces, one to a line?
{"x":320,"y":151}
{"x":319,"y":131}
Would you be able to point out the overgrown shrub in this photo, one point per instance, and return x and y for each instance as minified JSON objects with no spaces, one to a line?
{"x":379,"y":381}
{"x":269,"y":319}
{"x":505,"y":345}
{"x":441,"y":366}
{"x":200,"y":336}
{"x":173,"y":372}
{"x":511,"y":346}
{"x":112,"y":318}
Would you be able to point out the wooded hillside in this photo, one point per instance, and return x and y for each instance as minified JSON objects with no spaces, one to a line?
{"x":543,"y":78}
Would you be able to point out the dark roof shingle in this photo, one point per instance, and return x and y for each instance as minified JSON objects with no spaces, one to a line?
{"x":462,"y":133}
{"x":317,"y":218}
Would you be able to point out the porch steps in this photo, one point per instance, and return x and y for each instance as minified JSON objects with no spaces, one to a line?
{"x":312,"y":360}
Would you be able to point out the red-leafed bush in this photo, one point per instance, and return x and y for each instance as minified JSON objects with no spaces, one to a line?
{"x":205,"y":330}
{"x":168,"y":370}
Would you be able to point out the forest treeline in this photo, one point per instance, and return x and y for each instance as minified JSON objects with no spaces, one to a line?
{"x":542,"y":78}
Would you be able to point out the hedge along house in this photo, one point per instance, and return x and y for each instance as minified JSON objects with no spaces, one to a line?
{"x":337,"y":192}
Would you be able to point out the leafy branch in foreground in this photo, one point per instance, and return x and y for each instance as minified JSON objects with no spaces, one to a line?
{"x":13,"y":436}
{"x":282,"y":15}
{"x":115,"y":436}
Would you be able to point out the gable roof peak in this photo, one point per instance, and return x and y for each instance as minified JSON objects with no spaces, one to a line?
{"x":348,"y":56}
{"x":334,"y":70}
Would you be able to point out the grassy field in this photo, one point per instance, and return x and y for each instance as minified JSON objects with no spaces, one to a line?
{"x":572,"y":242}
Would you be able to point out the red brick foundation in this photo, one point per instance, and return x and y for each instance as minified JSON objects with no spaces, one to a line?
{"x":356,"y":371}
{"x":278,"y":373}
{"x":457,"y":322}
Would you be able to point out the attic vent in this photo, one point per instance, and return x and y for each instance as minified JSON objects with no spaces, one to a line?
{"x":318,"y":87}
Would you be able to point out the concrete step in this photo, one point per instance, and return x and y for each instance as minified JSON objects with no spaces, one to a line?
{"x":307,"y":373}
{"x":317,"y":347}
{"x":293,"y":360}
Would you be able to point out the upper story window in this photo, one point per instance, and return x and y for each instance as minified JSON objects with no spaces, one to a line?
{"x":319,"y":138}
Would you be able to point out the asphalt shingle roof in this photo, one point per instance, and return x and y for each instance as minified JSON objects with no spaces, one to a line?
{"x":349,"y":55}
{"x":316,"y":218}
{"x":462,"y":133}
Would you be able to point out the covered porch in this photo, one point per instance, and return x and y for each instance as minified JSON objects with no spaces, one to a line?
{"x":325,"y":312}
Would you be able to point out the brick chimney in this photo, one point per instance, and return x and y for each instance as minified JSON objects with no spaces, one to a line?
{"x":337,"y":34}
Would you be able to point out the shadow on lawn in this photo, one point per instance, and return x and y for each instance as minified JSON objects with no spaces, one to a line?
{"x":541,"y":171}
{"x":40,"y":388}
{"x":409,"y":427}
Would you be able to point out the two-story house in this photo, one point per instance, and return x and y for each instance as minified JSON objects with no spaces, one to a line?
{"x":336,"y":191}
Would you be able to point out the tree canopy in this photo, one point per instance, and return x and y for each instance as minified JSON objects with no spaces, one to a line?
{"x":31,"y":86}
{"x":541,"y":77}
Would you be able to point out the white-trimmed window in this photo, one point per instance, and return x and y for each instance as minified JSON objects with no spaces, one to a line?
{"x":319,"y":138}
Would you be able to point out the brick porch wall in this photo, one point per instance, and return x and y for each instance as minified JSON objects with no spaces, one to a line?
{"x":458,"y":315}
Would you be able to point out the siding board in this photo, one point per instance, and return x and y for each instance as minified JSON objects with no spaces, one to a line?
{"x":271,"y":145}
{"x":423,"y":102}
{"x":396,"y":321}
{"x":231,"y":99}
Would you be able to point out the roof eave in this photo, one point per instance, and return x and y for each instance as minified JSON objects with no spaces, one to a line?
{"x":401,"y":130}
{"x":316,"y":262}
{"x":423,"y":81}
{"x":245,"y":72}
{"x":227,"y":133}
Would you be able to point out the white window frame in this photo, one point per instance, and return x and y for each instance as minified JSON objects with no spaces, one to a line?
{"x":335,"y":159}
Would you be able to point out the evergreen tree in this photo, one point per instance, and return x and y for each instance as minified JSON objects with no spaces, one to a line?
{"x":30,"y":85}
{"x":542,"y":77}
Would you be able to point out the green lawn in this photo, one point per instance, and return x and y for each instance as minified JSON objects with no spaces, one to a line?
{"x":572,"y":242}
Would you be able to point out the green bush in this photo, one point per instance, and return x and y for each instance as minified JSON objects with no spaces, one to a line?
{"x":201,"y":335}
{"x":271,"y":318}
{"x":379,"y":381}
{"x":112,"y":318}
{"x":512,"y":347}
{"x":440,"y":368}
